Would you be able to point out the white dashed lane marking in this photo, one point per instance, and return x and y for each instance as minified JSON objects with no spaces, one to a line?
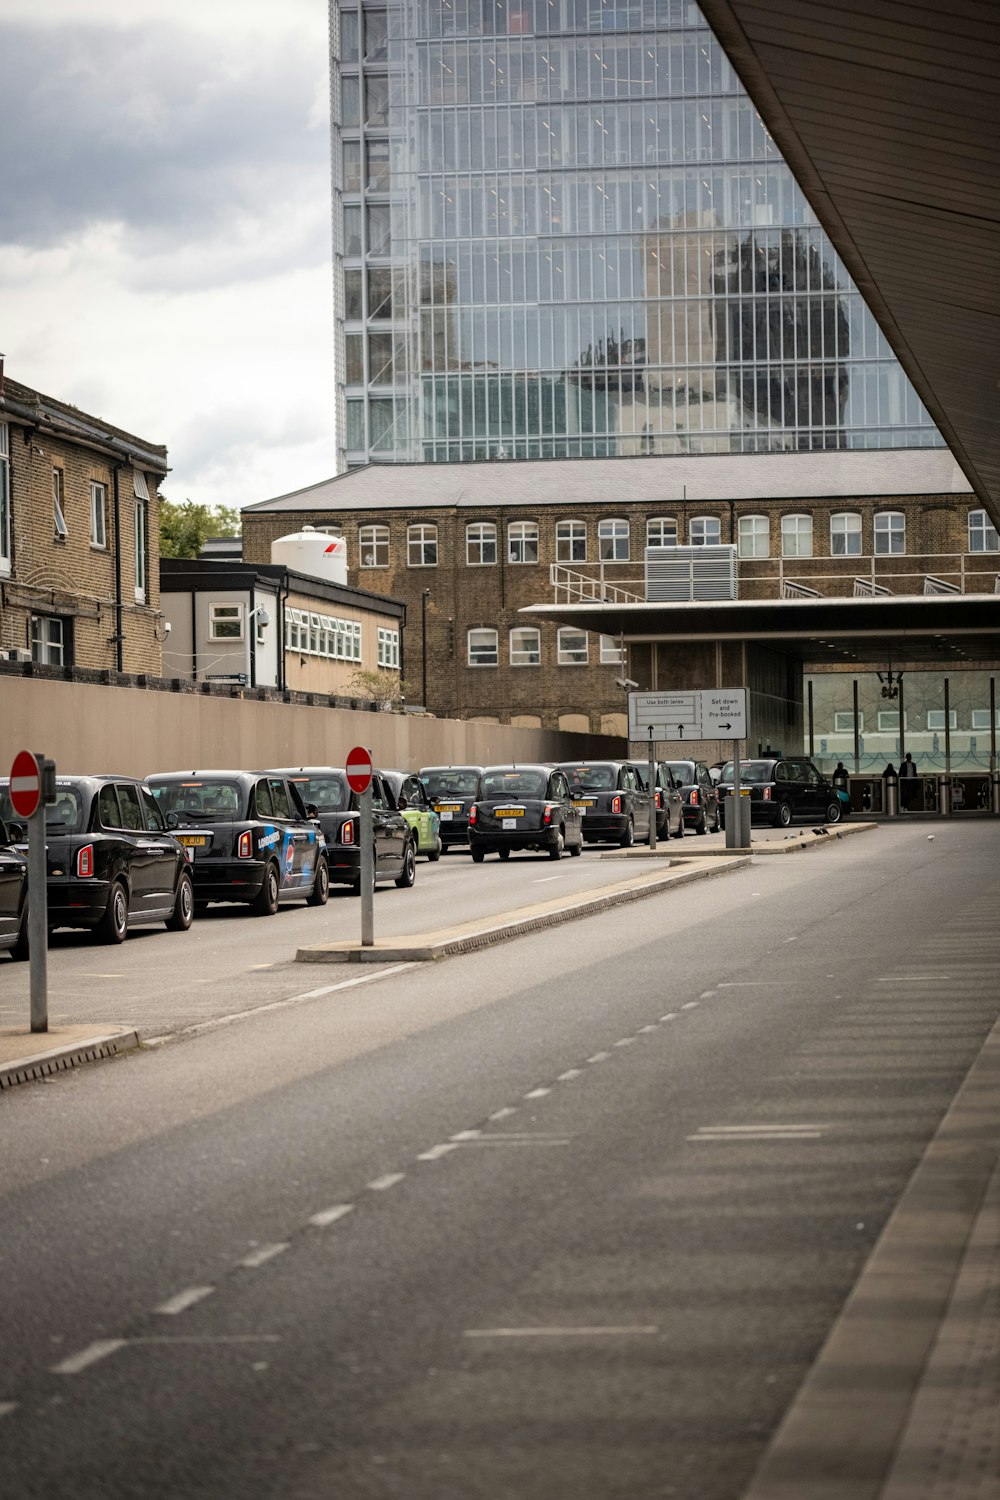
{"x":567,"y":1077}
{"x":436,"y":1152}
{"x":390,"y":1179}
{"x":625,"y":1329}
{"x":263,"y":1254}
{"x":6,"y":1407}
{"x":599,"y":1057}
{"x":87,"y":1357}
{"x":331,"y":1215}
{"x":736,"y":1135}
{"x":538,"y":1093}
{"x":183,"y":1300}
{"x":503,"y":1114}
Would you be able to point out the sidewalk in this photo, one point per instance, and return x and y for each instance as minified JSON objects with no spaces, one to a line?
{"x":26,"y":1055}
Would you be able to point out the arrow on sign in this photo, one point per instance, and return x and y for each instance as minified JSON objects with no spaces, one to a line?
{"x":725,"y":726}
{"x":680,"y":731}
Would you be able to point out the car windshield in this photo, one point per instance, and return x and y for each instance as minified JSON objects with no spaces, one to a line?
{"x":65,"y":815}
{"x":193,"y":801}
{"x":513,"y":784}
{"x":591,"y":778}
{"x":451,"y":783}
{"x":682,"y":771}
{"x":751,"y":771}
{"x":326,"y":793}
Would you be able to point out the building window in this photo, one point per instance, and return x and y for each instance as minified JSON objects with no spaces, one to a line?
{"x":225,"y":622}
{"x":98,"y":514}
{"x":935,"y":719}
{"x":844,"y":723}
{"x":981,"y":718}
{"x":890,"y":532}
{"x":982,"y":533}
{"x":704,"y":531}
{"x":573,"y":650}
{"x":373,"y":546}
{"x":754,"y":536}
{"x":481,"y":544}
{"x":522,"y":542}
{"x":571,"y":541}
{"x":5,"y":526}
{"x":612,"y":541}
{"x":422,"y":546}
{"x":796,"y":536}
{"x":312,"y":634}
{"x":58,"y":514}
{"x":50,"y":640}
{"x":140,"y":551}
{"x":388,"y":648}
{"x":483,"y":648}
{"x":845,"y":535}
{"x":612,"y":652}
{"x":888,"y":721}
{"x":525,"y":646}
{"x":661,"y":531}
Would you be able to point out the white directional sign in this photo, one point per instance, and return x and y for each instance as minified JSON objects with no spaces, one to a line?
{"x":714,"y":714}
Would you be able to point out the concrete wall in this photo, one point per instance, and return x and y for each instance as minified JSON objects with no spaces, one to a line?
{"x":137,"y":731}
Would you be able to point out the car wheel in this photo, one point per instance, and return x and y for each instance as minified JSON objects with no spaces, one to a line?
{"x":556,"y":849}
{"x":504,"y":853}
{"x":833,"y":812}
{"x":717,"y":825}
{"x":628,"y":837}
{"x":702,"y":825}
{"x":680,"y":828}
{"x":478,"y":855}
{"x":20,"y":950}
{"x":320,"y":893}
{"x":180,"y":918}
{"x":433,"y":855}
{"x":265,"y":903}
{"x":576,"y":849}
{"x":784,"y":817}
{"x":114,"y":924}
{"x":408,"y":873}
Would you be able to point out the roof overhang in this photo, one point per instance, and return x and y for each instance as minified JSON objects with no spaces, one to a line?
{"x":887,"y":115}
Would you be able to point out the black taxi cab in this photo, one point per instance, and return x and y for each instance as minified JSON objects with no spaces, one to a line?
{"x":524,"y":807}
{"x":782,"y":788}
{"x":111,"y":863}
{"x":612,"y":799}
{"x":13,"y":895}
{"x":247,"y":837}
{"x":451,"y":791}
{"x":328,"y":798}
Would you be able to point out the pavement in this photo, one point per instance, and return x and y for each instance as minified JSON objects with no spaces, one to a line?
{"x":903,"y":1401}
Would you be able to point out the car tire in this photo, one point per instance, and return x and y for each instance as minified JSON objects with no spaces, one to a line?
{"x":783,"y":818}
{"x":265,"y":903}
{"x":575,"y":849}
{"x":702,"y":824}
{"x":433,"y":855}
{"x":20,"y":950}
{"x":320,"y":893}
{"x":503,"y":853}
{"x":717,"y":825}
{"x":408,"y":873}
{"x":680,"y":828}
{"x":556,"y":849}
{"x":833,"y":812}
{"x":478,"y":855}
{"x":114,"y":924}
{"x":181,"y":917}
{"x":628,"y":837}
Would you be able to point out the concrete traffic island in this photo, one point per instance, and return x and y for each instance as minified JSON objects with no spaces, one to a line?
{"x":767,"y":841}
{"x":26,"y":1055}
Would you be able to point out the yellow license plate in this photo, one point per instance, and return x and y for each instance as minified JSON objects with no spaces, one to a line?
{"x":508,"y":812}
{"x":193,"y":840}
{"x":588,"y":802}
{"x":447,"y":807}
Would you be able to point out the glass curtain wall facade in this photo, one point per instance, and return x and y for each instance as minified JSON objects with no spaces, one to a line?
{"x":562,"y":230}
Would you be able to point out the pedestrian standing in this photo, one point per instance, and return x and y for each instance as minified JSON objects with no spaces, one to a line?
{"x":908,"y":781}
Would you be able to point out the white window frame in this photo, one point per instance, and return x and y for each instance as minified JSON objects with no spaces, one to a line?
{"x":522,"y":543}
{"x":704,"y":531}
{"x":935,"y":720}
{"x":141,"y":546}
{"x":6,"y":528}
{"x":612,"y":652}
{"x":483,"y":647}
{"x":888,"y":721}
{"x":843,"y":722}
{"x":222,"y":614}
{"x":98,"y":515}
{"x":480,"y":539}
{"x":980,"y":717}
{"x":982,"y":533}
{"x":569,"y":654}
{"x":48,"y":645}
{"x":797,"y":535}
{"x":422,"y":545}
{"x":751,"y":530}
{"x":613,"y":540}
{"x":847,"y":532}
{"x":570,"y":535}
{"x":140,"y":488}
{"x":890,"y":527}
{"x":661,"y":531}
{"x":373,"y":546}
{"x":58,"y":513}
{"x":522,"y":654}
{"x":388,"y":648}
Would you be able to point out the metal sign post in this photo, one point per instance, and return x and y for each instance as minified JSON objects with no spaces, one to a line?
{"x":359,"y":779}
{"x":32,"y":775}
{"x":652,"y":793}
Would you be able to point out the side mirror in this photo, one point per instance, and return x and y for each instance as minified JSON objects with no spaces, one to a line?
{"x":312,"y":811}
{"x":402,"y":803}
{"x":16,"y":833}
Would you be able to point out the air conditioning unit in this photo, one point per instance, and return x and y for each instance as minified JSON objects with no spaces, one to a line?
{"x":16,"y":653}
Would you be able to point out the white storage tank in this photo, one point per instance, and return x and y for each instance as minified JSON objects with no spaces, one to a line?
{"x":321,"y":554}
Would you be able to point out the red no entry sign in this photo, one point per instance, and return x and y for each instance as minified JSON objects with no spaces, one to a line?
{"x":359,"y":769}
{"x":25,"y":784}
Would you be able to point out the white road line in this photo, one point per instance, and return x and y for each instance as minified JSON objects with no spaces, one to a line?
{"x":626,"y":1041}
{"x":566,"y":1077}
{"x":645,"y":1030}
{"x":89,"y":1356}
{"x":390,"y":1179}
{"x":765,"y":1135}
{"x":670,"y":1016}
{"x":560,"y":1333}
{"x":262,"y":1255}
{"x":538,"y":1093}
{"x":331,"y":1215}
{"x":436,"y":1152}
{"x":706,"y":995}
{"x":760,"y":1129}
{"x":6,"y":1407}
{"x":912,"y":978}
{"x":544,"y":879}
{"x":503,"y":1114}
{"x":210,"y":1338}
{"x":183,"y":1300}
{"x":691,"y":1005}
{"x":471,"y":1135}
{"x":599,"y":1057}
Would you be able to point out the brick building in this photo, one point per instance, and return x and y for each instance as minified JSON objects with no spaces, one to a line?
{"x":79,"y":537}
{"x":468,"y":546}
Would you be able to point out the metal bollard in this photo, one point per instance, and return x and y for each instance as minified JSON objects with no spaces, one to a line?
{"x":891,"y":797}
{"x":995,"y":793}
{"x":944,"y":796}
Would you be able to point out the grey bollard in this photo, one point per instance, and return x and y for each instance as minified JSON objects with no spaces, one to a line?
{"x":737,"y":822}
{"x":944,"y":796}
{"x":891,"y":797}
{"x":995,"y":793}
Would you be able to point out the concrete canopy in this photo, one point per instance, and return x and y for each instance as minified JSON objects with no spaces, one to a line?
{"x":888,"y":115}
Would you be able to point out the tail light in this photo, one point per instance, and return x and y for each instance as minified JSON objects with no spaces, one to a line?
{"x":616,"y":804}
{"x":547,"y":814}
{"x":244,"y":849}
{"x":694,"y":796}
{"x":347,"y":832}
{"x":85,"y":862}
{"x":659,"y":799}
{"x":473,"y":814}
{"x":766,"y":794}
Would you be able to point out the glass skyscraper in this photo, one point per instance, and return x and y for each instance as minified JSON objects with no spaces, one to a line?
{"x":561,"y":230}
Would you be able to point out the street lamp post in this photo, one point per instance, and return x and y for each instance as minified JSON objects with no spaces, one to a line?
{"x":423,"y":644}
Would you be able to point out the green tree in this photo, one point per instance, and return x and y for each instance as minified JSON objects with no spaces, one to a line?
{"x":185,"y":528}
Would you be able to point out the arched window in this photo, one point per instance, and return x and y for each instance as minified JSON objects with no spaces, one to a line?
{"x":845,"y":534}
{"x":572,"y":647}
{"x":890,"y":532}
{"x":704,"y":531}
{"x":661,"y":531}
{"x":525,"y":646}
{"x":480,"y":544}
{"x":982,"y":533}
{"x":796,"y":536}
{"x":754,"y":536}
{"x":483,"y":648}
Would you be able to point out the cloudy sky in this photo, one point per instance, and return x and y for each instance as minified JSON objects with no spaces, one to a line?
{"x":165,"y":229}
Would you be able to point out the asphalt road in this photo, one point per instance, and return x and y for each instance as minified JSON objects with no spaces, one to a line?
{"x":566,"y":1218}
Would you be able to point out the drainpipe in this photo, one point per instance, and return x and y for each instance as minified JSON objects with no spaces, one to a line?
{"x":119,"y":611}
{"x":194,"y":636}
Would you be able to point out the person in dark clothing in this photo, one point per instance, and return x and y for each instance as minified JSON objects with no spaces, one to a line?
{"x":907,"y":782}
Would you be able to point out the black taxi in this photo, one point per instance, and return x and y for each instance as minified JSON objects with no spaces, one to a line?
{"x":247,"y":836}
{"x":612,"y":800}
{"x":110,"y":861}
{"x":451,"y":791}
{"x":329,"y":799}
{"x":13,"y":895}
{"x":524,"y":807}
{"x":782,"y":788}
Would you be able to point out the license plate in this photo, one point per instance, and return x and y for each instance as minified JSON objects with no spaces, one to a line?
{"x":509,"y":812}
{"x":584,"y":805}
{"x":446,"y":817}
{"x":193,"y":840}
{"x":447,"y":807}
{"x":510,"y":822}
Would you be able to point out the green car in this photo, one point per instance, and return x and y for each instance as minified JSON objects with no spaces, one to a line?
{"x":411,"y":800}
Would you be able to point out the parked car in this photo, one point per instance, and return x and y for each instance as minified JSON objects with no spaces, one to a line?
{"x":524,"y":807}
{"x":247,"y":836}
{"x":669,"y":802}
{"x":451,"y":791}
{"x":783,"y":788}
{"x":327,"y":796}
{"x":701,"y":799}
{"x":13,"y":894}
{"x":612,"y":800}
{"x":110,"y":861}
{"x":412,"y":801}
